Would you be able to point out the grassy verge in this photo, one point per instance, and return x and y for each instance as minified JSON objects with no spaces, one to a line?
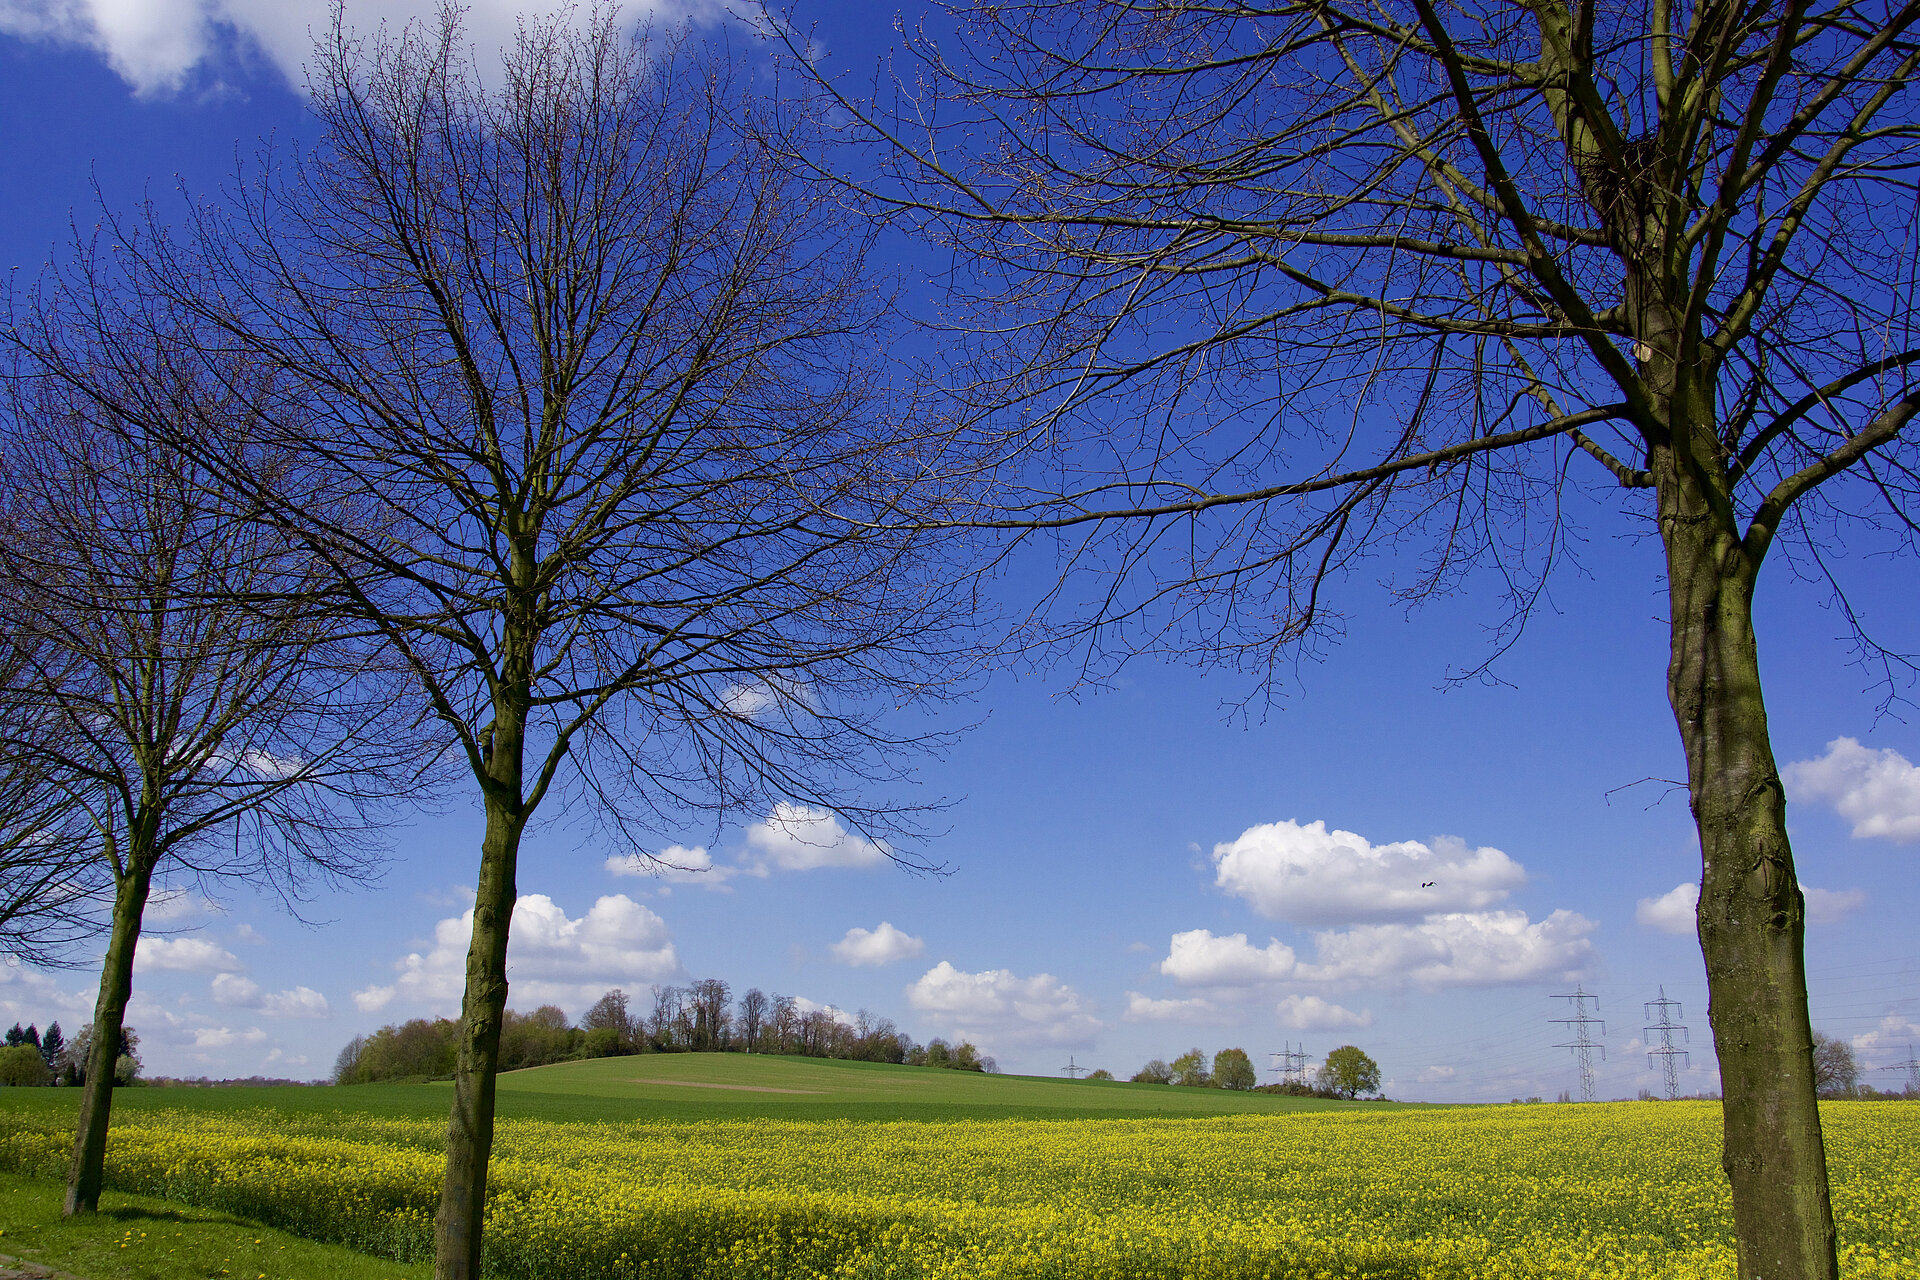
{"x":138,"y":1238}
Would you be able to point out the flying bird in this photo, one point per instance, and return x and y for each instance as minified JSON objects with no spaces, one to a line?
{"x":1426,"y":884}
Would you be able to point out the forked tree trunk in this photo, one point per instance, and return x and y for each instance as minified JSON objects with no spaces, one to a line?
{"x":89,"y":1164}
{"x":1751,"y":915}
{"x":463,"y":1198}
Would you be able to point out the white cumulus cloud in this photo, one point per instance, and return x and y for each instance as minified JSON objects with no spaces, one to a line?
{"x":1311,"y":1013}
{"x":226,"y":1037}
{"x":1198,"y":958}
{"x":1191,"y":1009}
{"x":1877,"y":791}
{"x":239,"y":992}
{"x":1892,"y":1039}
{"x":161,"y":46}
{"x":1831,"y":906}
{"x":1307,"y":874}
{"x":550,"y":956}
{"x":675,"y":864}
{"x":1459,"y":949}
{"x":183,"y":955}
{"x":877,"y":946}
{"x":1672,"y":911}
{"x":996,"y":1007}
{"x":296,"y":1002}
{"x":235,"y":991}
{"x":798,"y":837}
{"x":1435,"y":1075}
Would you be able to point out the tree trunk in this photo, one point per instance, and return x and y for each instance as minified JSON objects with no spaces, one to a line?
{"x":89,"y":1163}
{"x":463,"y":1198}
{"x":1751,"y":916}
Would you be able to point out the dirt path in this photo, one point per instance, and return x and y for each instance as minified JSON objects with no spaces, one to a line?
{"x":705,"y":1084}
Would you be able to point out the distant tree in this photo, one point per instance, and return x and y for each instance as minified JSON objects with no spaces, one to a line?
{"x":18,"y":1035}
{"x":51,"y":1045}
{"x":784,"y":1023}
{"x":1232,"y":1069}
{"x":77,"y":1058}
{"x":609,"y":1013}
{"x":1100,"y":1073}
{"x":1155,"y":1072}
{"x":1836,"y":1073}
{"x":21,"y":1064}
{"x":879,"y":1040}
{"x":967,"y":1058}
{"x":1349,"y":1073}
{"x":413,"y":1050}
{"x":534,"y":1039}
{"x":347,"y":1062}
{"x":753,"y":1016}
{"x":1190,"y":1069}
{"x":708,"y":1000}
{"x":939,"y":1053}
{"x":664,"y":1026}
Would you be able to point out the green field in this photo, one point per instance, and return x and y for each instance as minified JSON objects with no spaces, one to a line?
{"x":685,"y":1167}
{"x":727,"y":1086}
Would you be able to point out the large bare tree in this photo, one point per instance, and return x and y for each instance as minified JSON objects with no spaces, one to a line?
{"x":599,"y":381}
{"x":181,"y":694}
{"x":1276,"y":286}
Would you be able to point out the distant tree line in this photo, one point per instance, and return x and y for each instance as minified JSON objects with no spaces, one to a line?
{"x":1347,"y":1073}
{"x":701,"y":1017}
{"x":35,"y":1058}
{"x":1230,"y":1069}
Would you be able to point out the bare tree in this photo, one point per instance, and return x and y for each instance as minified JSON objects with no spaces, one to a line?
{"x":609,"y":1013}
{"x":753,"y":1018}
{"x":181,"y":692}
{"x":665,"y":1023}
{"x":1281,"y":286}
{"x":783,"y":1024}
{"x":598,"y":379}
{"x":712,"y":1022}
{"x":50,"y":883}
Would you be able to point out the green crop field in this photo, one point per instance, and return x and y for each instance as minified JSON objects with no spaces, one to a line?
{"x":733,"y":1167}
{"x":728,"y":1086}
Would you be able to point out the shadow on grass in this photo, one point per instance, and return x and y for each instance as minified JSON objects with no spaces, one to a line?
{"x":195,"y":1217}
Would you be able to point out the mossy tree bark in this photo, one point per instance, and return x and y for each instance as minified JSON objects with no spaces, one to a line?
{"x":88,"y":1167}
{"x":1751,"y":913}
{"x":457,"y":1225}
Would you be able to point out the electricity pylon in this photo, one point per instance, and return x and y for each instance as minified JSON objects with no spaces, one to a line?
{"x":1583,"y":1044}
{"x":1661,"y":1014}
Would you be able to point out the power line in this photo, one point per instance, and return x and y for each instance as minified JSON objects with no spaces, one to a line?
{"x":1661,"y":1014}
{"x":1912,"y":1068}
{"x":1583,"y":1044}
{"x":1072,"y":1070}
{"x":1291,"y":1064}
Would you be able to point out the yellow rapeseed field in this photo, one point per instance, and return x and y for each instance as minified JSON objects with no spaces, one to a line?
{"x":1555,"y":1192}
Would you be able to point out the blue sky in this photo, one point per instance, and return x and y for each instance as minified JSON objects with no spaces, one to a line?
{"x":1133,"y":870}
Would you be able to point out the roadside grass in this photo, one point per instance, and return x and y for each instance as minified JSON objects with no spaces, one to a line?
{"x":140,"y":1238}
